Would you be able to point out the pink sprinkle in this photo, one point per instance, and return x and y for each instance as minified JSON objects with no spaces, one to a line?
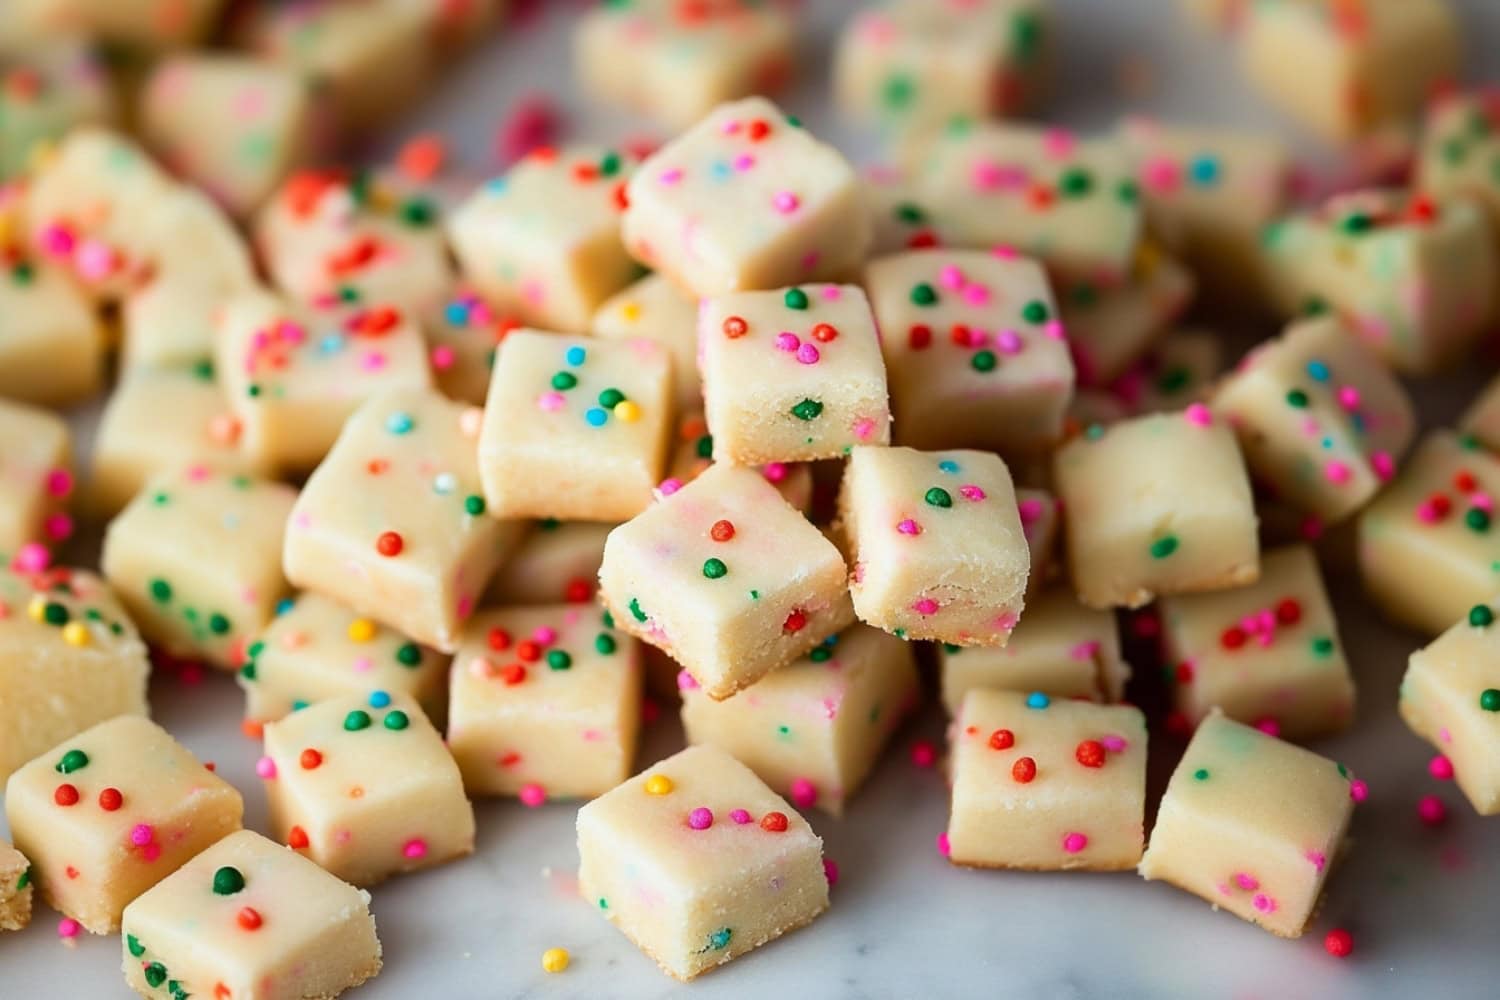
{"x":1431,"y":811}
{"x":551,"y":401}
{"x":669,"y":486}
{"x":785,"y":202}
{"x":1441,"y":768}
{"x":786,"y":341}
{"x":951,"y":277}
{"x":831,"y":292}
{"x":265,"y":768}
{"x":991,"y":176}
{"x":976,"y":294}
{"x":414,"y":848}
{"x":1247,"y":882}
{"x":1358,"y":790}
{"x":1030,"y":510}
{"x":863,"y":428}
{"x":32,"y":557}
{"x":831,"y":872}
{"x":1348,"y":397}
{"x":372,"y":361}
{"x":923,"y":753}
{"x":744,"y":162}
{"x":442,"y":357}
{"x":1318,"y":858}
{"x":58,"y":526}
{"x":774,"y":472}
{"x":942,"y":844}
{"x":1115,"y":744}
{"x":1004,"y":252}
{"x":363,"y":664}
{"x":1337,"y":472}
{"x":1483,"y":501}
{"x":804,"y":792}
{"x":1263,"y":903}
{"x":1058,"y":143}
{"x":1383,"y":464}
{"x":544,"y":635}
{"x":1427,"y":512}
{"x":971,"y":492}
{"x":740,"y":816}
{"x":94,"y":260}
{"x":1198,"y":415}
{"x":1009,"y":342}
{"x":925,"y":606}
{"x":197,"y":473}
{"x":908,"y":527}
{"x":808,"y":354}
{"x":59,"y":482}
{"x":1269,"y":726}
{"x":701,"y":818}
{"x":532,"y":795}
{"x":1074,"y":842}
{"x":1053,"y":328}
{"x":670,"y":177}
{"x":141,"y":834}
{"x":57,"y":241}
{"x":1161,"y":175}
{"x":67,"y":927}
{"x":686,"y":681}
{"x":151,"y":851}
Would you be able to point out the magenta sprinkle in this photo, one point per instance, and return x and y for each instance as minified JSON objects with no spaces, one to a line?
{"x":701,"y":818}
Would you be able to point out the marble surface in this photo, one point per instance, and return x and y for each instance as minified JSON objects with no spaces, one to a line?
{"x":1421,"y":903}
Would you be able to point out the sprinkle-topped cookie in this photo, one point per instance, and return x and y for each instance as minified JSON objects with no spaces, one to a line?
{"x":656,"y":309}
{"x":51,"y":343}
{"x":36,"y":483}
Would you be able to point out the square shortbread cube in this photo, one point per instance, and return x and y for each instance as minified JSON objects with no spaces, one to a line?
{"x":463,"y":338}
{"x":792,"y":375}
{"x":746,"y":200}
{"x":16,"y":888}
{"x":553,"y":563}
{"x":293,"y":376}
{"x":542,"y":242}
{"x":363,"y":784}
{"x":1158,"y":504}
{"x":392,"y":523}
{"x":693,"y":454}
{"x":51,"y":343}
{"x":1181,"y":370}
{"x":726,"y":577}
{"x":936,"y":542}
{"x":36,"y":480}
{"x":1319,"y":418}
{"x":110,"y":812}
{"x":249,"y":918}
{"x":318,"y":649}
{"x":697,"y":862}
{"x":159,"y":421}
{"x":575,"y":428}
{"x":1267,"y":655}
{"x":656,"y":309}
{"x":545,"y":702}
{"x":1450,"y":697}
{"x":1251,"y":824}
{"x":814,"y":729}
{"x":170,"y":324}
{"x":1428,"y":549}
{"x":1061,"y":648}
{"x":156,"y":558}
{"x":1042,"y":784}
{"x":1460,"y":144}
{"x":974,"y":352}
{"x":1110,"y":326}
{"x":69,"y":658}
{"x":61,"y":83}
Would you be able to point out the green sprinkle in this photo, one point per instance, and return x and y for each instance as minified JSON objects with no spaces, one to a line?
{"x":714,"y":569}
{"x":938,"y":497}
{"x":417,"y":212}
{"x":795,"y":298}
{"x":228,"y":881}
{"x":704,"y":447}
{"x":357,"y":720}
{"x":1356,"y":223}
{"x":1477,"y":520}
{"x":635,"y":610}
{"x":923,"y":294}
{"x":1489,"y":699}
{"x":161,"y":591}
{"x":474,"y":505}
{"x":563,"y":381}
{"x":408,"y":654}
{"x":1075,"y":182}
{"x":1480,"y":616}
{"x":609,"y":164}
{"x":133,"y":943}
{"x":898,"y":91}
{"x":73,"y":760}
{"x":203,"y":370}
{"x":983,"y":361}
{"x":603,"y":903}
{"x":604,"y":645}
{"x":611,"y":398}
{"x":1322,"y":647}
{"x":1201,"y":774}
{"x":820,"y":655}
{"x":1035,"y":311}
{"x":248,"y":671}
{"x":1172,"y":381}
{"x":557,"y":659}
{"x":55,"y":614}
{"x":910,"y":214}
{"x":808,"y":409}
{"x":1163,"y":547}
{"x":218,"y":624}
{"x":607,"y":619}
{"x":1297,"y":399}
{"x":155,"y":974}
{"x":396,"y":720}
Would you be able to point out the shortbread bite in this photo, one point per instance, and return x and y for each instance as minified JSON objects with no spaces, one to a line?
{"x":318,"y":649}
{"x":1153,"y":505}
{"x":363,"y":785}
{"x":746,"y":200}
{"x":1251,"y":824}
{"x":1460,"y":144}
{"x":792,"y":375}
{"x":189,"y":605}
{"x":1044,"y":784}
{"x":542,"y":242}
{"x":1428,"y":550}
{"x":1450,"y":697}
{"x":814,"y":729}
{"x":555,"y":562}
{"x":1062,"y":649}
{"x":1179,"y":371}
{"x":69,"y":658}
{"x":575,"y":428}
{"x":110,"y":812}
{"x":726,"y":577}
{"x":61,"y":83}
{"x":249,"y":918}
{"x":936,"y":542}
{"x":1320,"y":418}
{"x":463,"y":336}
{"x":1267,"y":655}
{"x":51,"y":341}
{"x":693,"y":454}
{"x":544,"y":703}
{"x":902,"y":214}
{"x":36,"y":480}
{"x":16,"y":888}
{"x":393,"y":525}
{"x":1110,"y":326}
{"x":170,"y":324}
{"x":697,"y":862}
{"x":657,"y":310}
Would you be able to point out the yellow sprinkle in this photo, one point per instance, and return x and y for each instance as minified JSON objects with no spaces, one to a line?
{"x":555,"y":959}
{"x":76,"y":634}
{"x":37,"y":609}
{"x":658,"y":784}
{"x":631,"y":311}
{"x":628,"y":411}
{"x":361,"y":630}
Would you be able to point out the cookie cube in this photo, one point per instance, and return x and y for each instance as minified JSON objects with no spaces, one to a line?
{"x":1158,"y":504}
{"x":249,"y":918}
{"x":746,"y":200}
{"x":1319,"y":418}
{"x":36,"y":480}
{"x":1072,"y":203}
{"x":697,"y":862}
{"x":1268,"y":654}
{"x":318,"y":649}
{"x":814,"y":729}
{"x":293,"y":376}
{"x":53,"y":85}
{"x":574,"y":428}
{"x":1450,"y":697}
{"x":693,"y":454}
{"x":159,"y":421}
{"x":1437,"y":515}
{"x":463,"y":337}
{"x":792,"y":375}
{"x":69,"y":658}
{"x":15,"y":888}
{"x":1251,"y":824}
{"x":1459,"y":149}
{"x":1481,"y":421}
{"x":51,"y":343}
{"x":110,"y":812}
{"x":170,"y":324}
{"x":230,"y":124}
{"x":363,"y":785}
{"x":392,"y":523}
{"x":1181,"y":370}
{"x":973,"y":350}
{"x":543,"y":241}
{"x":189,"y":605}
{"x":726,"y":577}
{"x":1062,"y":649}
{"x":545,"y":702}
{"x":553,"y":563}
{"x":1356,"y":67}
{"x":649,"y":57}
{"x":913,"y":64}
{"x":1046,"y":785}
{"x":1110,"y":326}
{"x":936,"y":542}
{"x":1413,"y":279}
{"x":656,"y":309}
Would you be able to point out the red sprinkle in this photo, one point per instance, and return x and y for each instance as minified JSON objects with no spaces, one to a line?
{"x":758,"y":130}
{"x":498,"y":639}
{"x":1431,"y":811}
{"x":923,"y":753}
{"x":1090,"y":753}
{"x":296,"y":838}
{"x":110,"y":799}
{"x":578,"y":590}
{"x":722,"y":531}
{"x":422,"y":157}
{"x":824,"y":332}
{"x":795,"y":622}
{"x":66,"y":795}
{"x":248,"y":918}
{"x":1233,"y":637}
{"x":919,"y":336}
{"x":1002,"y":739}
{"x":735,"y":327}
{"x":513,"y":674}
{"x":310,"y":759}
{"x":1023,"y":770}
{"x":389,"y":544}
{"x":529,"y":650}
{"x":773,"y":822}
{"x":1339,"y":943}
{"x":1288,"y":612}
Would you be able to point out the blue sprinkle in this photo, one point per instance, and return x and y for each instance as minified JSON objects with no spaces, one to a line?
{"x":1204,"y":170}
{"x":457,"y":312}
{"x":948,"y":465}
{"x":379,"y":699}
{"x":576,"y":356}
{"x":495,"y":185}
{"x":298,"y":706}
{"x":596,"y":417}
{"x":331,"y":343}
{"x":1318,"y":370}
{"x":399,"y":422}
{"x":1358,"y":420}
{"x":720,"y":171}
{"x":832,"y":640}
{"x":283,"y":606}
{"x":1327,"y":443}
{"x":1037,"y":700}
